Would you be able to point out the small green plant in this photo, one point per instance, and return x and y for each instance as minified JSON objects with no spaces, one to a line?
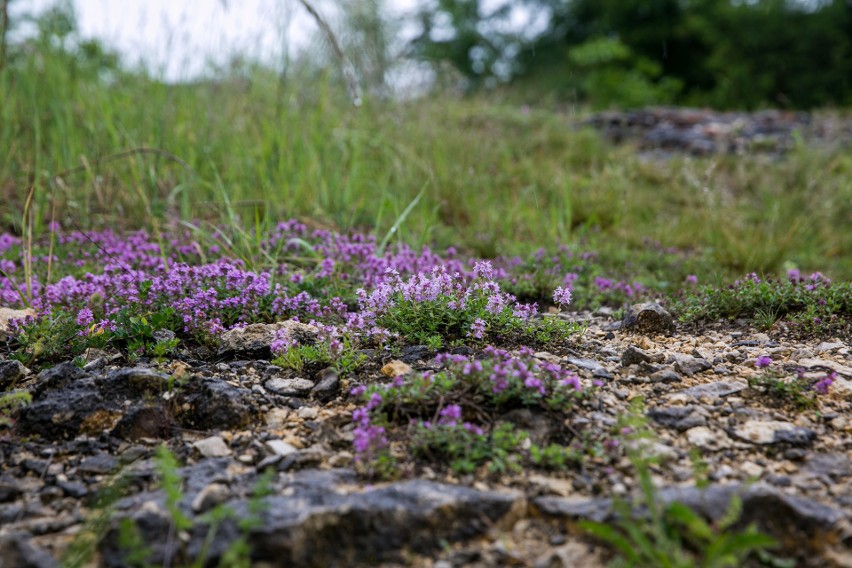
{"x":466,"y":447}
{"x":338,"y":353}
{"x":797,"y":391}
{"x":9,"y":403}
{"x":813,"y":305}
{"x":647,"y":532}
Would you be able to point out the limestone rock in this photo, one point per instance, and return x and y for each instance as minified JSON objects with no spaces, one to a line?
{"x":649,"y":319}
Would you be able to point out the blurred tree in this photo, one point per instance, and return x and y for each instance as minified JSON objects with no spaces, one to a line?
{"x":734,"y":53}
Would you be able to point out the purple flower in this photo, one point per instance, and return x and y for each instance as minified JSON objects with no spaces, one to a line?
{"x":85,"y":317}
{"x":477,"y":330}
{"x":763,"y":361}
{"x":562,"y":296}
{"x":450,"y":415}
{"x":823,"y":385}
{"x":692,"y":279}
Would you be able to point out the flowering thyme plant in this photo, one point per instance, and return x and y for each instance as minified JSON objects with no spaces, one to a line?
{"x":455,"y":411}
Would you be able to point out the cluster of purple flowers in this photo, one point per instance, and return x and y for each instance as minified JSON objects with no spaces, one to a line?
{"x":498,"y":375}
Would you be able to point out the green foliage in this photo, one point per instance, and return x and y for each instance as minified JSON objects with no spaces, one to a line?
{"x":465,"y":449}
{"x":674,"y":536}
{"x":645,"y":532}
{"x":345,"y":360}
{"x":611,"y":75}
{"x":813,"y":305}
{"x":9,"y":403}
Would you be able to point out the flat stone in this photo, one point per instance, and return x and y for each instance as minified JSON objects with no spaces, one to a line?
{"x":312,"y":520}
{"x":678,"y":417}
{"x":706,"y":439}
{"x":792,"y":520}
{"x":649,"y":319}
{"x":766,"y":432}
{"x":280,"y":447}
{"x":588,"y":364}
{"x":100,"y":464}
{"x":289,"y":387}
{"x":212,"y":447}
{"x":665,"y":376}
{"x":689,"y":365}
{"x":716,"y":389}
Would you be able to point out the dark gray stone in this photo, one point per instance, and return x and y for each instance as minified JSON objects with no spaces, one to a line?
{"x":794,"y":521}
{"x":689,"y":365}
{"x":17,"y":552}
{"x":414,"y":353}
{"x":795,"y":436}
{"x":10,"y":373}
{"x":633,"y":356}
{"x":328,"y":385}
{"x":308,"y":522}
{"x":649,"y":319}
{"x":61,"y":403}
{"x":680,"y":418}
{"x":213,"y":404}
{"x":665,"y":375}
{"x":99,"y":464}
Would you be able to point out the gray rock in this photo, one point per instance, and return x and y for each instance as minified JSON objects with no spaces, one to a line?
{"x":10,"y":373}
{"x":254,"y":340}
{"x":328,"y":385}
{"x":794,"y":521}
{"x":680,"y":418}
{"x":834,"y":466}
{"x":146,"y":422}
{"x":649,"y":319}
{"x":665,"y":375}
{"x":414,"y":353}
{"x":212,"y":447}
{"x":588,"y":364}
{"x":99,"y":464}
{"x":17,"y":552}
{"x":765,"y":432}
{"x":633,"y":356}
{"x":213,"y":404}
{"x":309,"y":522}
{"x":289,"y":387}
{"x":716,"y":389}
{"x":689,"y":365}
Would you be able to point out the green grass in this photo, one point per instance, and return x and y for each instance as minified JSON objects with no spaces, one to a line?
{"x":475,"y":173}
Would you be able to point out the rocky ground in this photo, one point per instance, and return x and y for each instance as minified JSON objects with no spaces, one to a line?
{"x":230,"y":416}
{"x":663,"y":131}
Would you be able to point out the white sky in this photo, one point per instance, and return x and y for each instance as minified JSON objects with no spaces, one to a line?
{"x":177,"y":37}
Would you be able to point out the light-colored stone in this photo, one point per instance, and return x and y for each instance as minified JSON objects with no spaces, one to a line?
{"x":212,"y":447}
{"x":704,"y":438}
{"x":212,"y":495}
{"x":289,"y":387}
{"x":7,"y":314}
{"x":308,"y":412}
{"x":280,"y":447}
{"x":761,"y":432}
{"x":396,"y":368}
